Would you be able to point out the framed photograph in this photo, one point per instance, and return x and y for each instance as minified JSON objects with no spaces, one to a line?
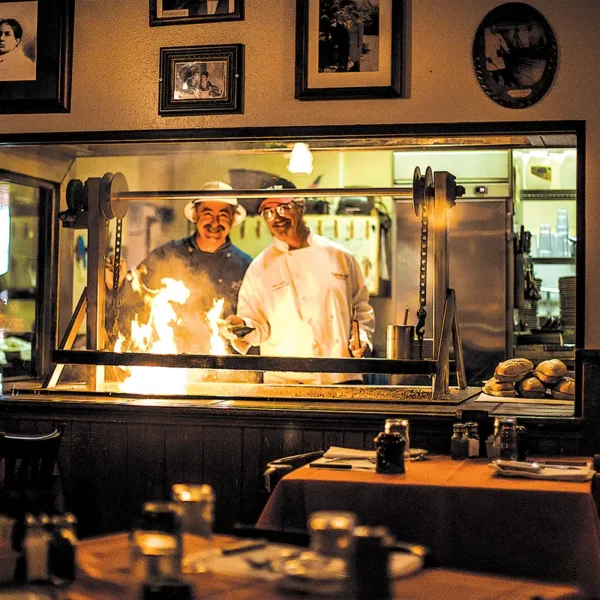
{"x":515,"y":55}
{"x":36,"y":38}
{"x":181,"y":12}
{"x":201,"y":80}
{"x":348,"y":49}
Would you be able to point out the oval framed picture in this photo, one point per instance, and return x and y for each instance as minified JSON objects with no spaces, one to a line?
{"x":515,"y":55}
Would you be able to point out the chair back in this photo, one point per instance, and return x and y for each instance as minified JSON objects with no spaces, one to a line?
{"x":277,"y":469}
{"x":28,"y":461}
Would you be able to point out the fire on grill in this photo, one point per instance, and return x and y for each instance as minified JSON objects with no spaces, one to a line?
{"x":156,"y":335}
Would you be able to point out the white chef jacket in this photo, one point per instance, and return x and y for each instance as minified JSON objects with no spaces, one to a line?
{"x":300,"y":302}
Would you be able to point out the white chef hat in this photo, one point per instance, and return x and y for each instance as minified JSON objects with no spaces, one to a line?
{"x":240,"y":211}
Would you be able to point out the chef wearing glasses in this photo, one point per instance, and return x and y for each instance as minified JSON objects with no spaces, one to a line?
{"x":300,"y":295}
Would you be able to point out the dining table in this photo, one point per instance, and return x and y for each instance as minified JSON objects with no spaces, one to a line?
{"x":104,"y":573}
{"x":463,"y":512}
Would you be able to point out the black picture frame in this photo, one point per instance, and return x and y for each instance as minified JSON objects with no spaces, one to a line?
{"x":183,"y":12}
{"x":44,"y":57}
{"x":184,"y":90}
{"x":328,"y":38}
{"x":515,"y":55}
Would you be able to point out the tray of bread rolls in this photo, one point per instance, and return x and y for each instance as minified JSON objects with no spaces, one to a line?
{"x":520,"y":379}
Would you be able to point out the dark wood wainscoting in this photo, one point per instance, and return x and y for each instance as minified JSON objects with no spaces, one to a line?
{"x":117,"y":455}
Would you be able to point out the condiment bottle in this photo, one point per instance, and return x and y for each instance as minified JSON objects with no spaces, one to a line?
{"x":458,"y":442}
{"x":522,"y":443}
{"x":390,"y":447}
{"x":508,"y":439}
{"x":35,"y":546}
{"x":62,"y":561}
{"x":473,"y":437}
{"x":369,"y":576}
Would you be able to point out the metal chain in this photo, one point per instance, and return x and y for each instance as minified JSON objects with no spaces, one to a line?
{"x":116,"y":276}
{"x":422,"y":313}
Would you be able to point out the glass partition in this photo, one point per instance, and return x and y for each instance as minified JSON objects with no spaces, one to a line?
{"x":497,"y":261}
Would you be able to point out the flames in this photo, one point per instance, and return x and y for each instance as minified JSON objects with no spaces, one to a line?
{"x":157,"y":336}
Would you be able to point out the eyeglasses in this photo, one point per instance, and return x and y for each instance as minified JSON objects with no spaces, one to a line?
{"x":282,"y":210}
{"x":221,"y":217}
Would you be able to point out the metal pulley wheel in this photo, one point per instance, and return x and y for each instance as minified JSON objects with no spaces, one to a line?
{"x":423,"y":190}
{"x":110,"y":187}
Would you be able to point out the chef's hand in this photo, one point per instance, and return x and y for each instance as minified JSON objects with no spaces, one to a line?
{"x":230,"y":322}
{"x":363,"y":352}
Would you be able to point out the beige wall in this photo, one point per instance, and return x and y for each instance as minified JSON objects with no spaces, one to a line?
{"x":115,"y":80}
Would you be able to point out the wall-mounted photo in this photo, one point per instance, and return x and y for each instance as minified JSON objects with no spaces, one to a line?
{"x":35,"y":55}
{"x":348,"y":49}
{"x":201,"y":80}
{"x":515,"y":55}
{"x":181,"y":12}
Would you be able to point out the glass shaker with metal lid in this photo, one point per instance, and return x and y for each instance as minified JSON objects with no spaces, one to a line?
{"x":390,"y":446}
{"x":508,"y":439}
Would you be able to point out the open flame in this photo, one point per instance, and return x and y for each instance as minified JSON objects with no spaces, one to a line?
{"x":157,"y":337}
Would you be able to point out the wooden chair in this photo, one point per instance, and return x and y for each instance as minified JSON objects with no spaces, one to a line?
{"x":28,"y":463}
{"x":277,"y":469}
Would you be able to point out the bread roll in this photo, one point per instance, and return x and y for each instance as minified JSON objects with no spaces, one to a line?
{"x":513,"y":370}
{"x":564,"y":389}
{"x":550,"y":371}
{"x":493,"y":387}
{"x":531,"y":387}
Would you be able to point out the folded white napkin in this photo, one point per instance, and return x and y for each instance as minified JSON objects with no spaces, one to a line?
{"x":339,"y":452}
{"x":576,"y":474}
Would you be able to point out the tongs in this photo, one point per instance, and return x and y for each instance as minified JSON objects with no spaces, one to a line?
{"x":241,"y":330}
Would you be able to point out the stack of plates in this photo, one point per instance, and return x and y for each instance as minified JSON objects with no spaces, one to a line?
{"x":528,"y":317}
{"x":566,"y":289}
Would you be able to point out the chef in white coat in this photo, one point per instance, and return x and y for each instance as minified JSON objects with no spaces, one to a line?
{"x":300,"y":295}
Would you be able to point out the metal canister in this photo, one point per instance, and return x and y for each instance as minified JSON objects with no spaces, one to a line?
{"x":399,"y":341}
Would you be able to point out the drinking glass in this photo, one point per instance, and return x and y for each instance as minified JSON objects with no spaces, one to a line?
{"x":197,"y":502}
{"x":331,"y":532}
{"x":545,"y":240}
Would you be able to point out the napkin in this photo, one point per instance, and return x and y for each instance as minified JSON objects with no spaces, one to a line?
{"x":338,"y":452}
{"x":584,"y":473}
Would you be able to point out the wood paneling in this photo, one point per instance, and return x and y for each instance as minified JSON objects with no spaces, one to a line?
{"x":115,"y":457}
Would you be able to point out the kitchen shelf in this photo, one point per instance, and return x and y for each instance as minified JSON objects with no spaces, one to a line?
{"x":548,"y":194}
{"x":550,"y":260}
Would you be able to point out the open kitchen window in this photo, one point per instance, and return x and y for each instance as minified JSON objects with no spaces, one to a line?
{"x":513,"y":237}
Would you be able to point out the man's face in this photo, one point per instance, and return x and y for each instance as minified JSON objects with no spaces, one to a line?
{"x":213,"y":225}
{"x":284,"y":221}
{"x":8,"y":42}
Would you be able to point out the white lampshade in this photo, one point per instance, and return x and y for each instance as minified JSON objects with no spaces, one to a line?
{"x":301,"y":159}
